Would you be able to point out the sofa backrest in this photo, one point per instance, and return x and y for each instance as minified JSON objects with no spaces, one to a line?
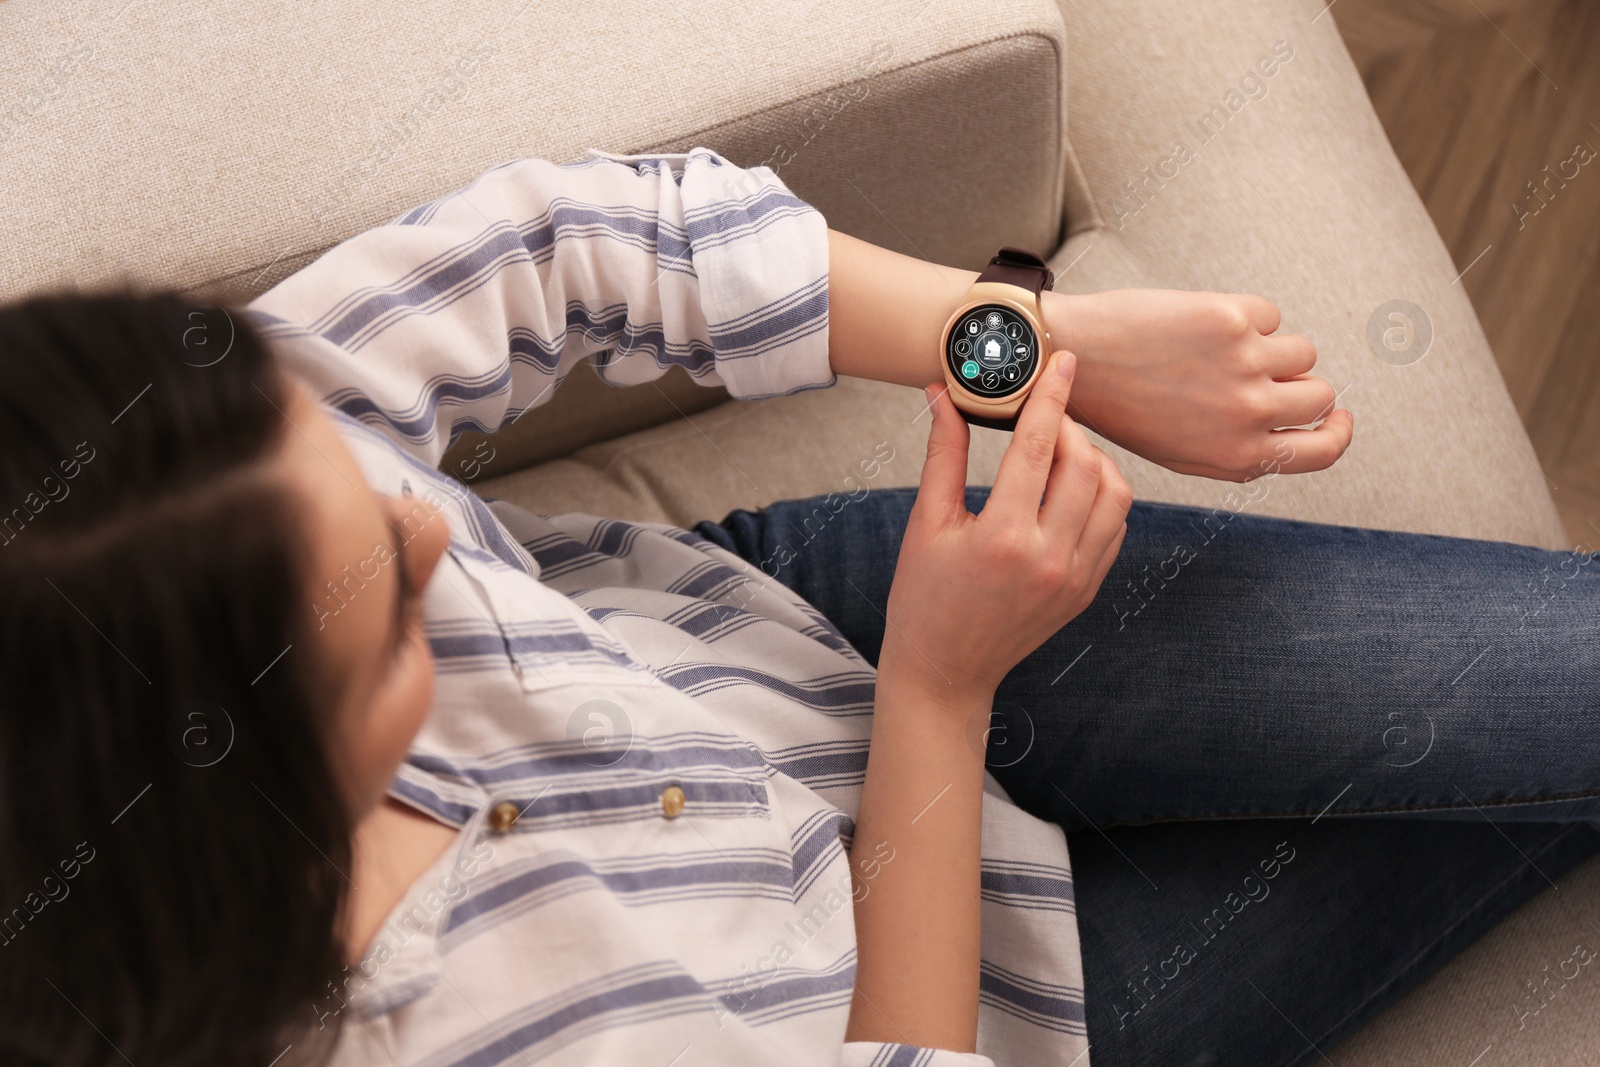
{"x":218,"y":148}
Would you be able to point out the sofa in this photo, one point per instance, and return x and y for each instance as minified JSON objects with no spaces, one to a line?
{"x":1228,"y":146}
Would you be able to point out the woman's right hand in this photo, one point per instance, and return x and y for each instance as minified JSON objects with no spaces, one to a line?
{"x":974,"y":594}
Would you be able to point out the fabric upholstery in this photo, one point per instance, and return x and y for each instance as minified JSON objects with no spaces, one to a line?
{"x":145,"y":145}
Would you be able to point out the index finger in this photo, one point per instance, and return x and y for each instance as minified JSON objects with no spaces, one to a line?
{"x":1025,"y":467}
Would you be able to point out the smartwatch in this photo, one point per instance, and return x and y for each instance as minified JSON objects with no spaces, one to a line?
{"x":995,"y":344}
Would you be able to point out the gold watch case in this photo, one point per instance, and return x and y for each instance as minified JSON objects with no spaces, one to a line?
{"x":1025,"y":304}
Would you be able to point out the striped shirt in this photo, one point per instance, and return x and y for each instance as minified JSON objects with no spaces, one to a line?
{"x":652,"y":750}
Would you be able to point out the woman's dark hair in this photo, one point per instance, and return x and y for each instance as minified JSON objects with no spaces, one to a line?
{"x":173,"y":843}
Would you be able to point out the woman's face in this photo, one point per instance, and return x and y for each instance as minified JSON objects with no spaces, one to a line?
{"x":372,"y":556}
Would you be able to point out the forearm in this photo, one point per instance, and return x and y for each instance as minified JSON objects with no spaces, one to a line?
{"x":886,"y":310}
{"x":916,"y":860}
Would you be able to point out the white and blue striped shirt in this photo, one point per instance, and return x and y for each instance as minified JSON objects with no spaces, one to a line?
{"x":596,"y":676}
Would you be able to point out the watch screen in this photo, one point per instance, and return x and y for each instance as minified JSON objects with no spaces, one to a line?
{"x":992,"y":350}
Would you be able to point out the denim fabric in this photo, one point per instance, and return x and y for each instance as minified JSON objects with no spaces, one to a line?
{"x":1300,"y":765}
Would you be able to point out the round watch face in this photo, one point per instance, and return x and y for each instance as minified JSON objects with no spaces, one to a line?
{"x":992,"y":350}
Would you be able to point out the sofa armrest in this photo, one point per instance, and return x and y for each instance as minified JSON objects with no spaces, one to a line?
{"x":221,"y":151}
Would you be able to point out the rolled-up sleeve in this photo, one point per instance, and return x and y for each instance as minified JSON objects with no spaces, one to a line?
{"x":467,"y":312}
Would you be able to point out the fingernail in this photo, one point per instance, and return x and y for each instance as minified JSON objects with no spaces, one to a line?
{"x":932,"y":393}
{"x":1066,"y":363}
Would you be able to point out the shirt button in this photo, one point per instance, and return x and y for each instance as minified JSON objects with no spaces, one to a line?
{"x":503,"y":816}
{"x":672,"y":801}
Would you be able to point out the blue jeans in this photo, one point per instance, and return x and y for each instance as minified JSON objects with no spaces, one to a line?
{"x":1300,"y":766}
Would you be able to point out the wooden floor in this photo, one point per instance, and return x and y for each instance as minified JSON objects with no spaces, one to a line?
{"x":1494,"y":110}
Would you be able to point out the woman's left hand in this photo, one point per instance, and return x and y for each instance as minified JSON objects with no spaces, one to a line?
{"x":1200,"y":383}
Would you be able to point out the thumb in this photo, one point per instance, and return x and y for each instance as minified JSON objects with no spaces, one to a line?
{"x":943,"y":489}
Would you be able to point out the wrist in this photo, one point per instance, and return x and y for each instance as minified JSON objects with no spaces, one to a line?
{"x":916,"y":710}
{"x":1067,"y":316}
{"x":910,"y":680}
{"x":1077,"y":322}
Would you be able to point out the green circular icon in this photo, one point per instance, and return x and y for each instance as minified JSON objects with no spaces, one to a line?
{"x":969,"y":369}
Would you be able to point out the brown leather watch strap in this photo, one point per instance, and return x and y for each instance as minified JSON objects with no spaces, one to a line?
{"x":1019,"y":267}
{"x":993,"y":424}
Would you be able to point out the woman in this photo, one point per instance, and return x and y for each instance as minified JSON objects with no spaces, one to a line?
{"x":310,"y":755}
